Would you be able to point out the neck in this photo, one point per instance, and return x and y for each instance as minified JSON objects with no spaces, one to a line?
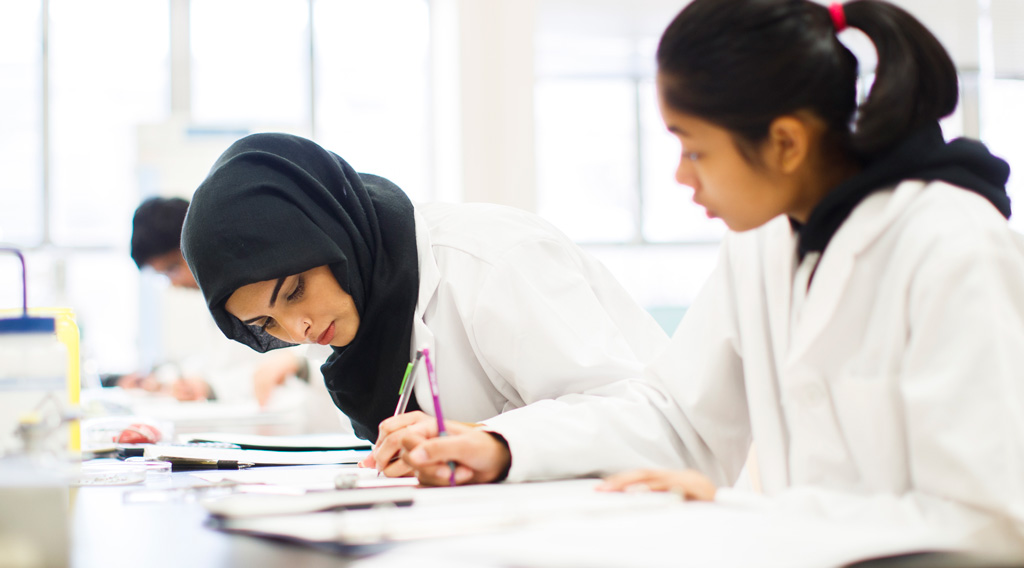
{"x":819,"y":181}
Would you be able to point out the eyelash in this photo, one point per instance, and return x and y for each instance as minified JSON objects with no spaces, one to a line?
{"x":300,"y":288}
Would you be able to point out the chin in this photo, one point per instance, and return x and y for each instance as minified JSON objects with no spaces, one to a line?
{"x":741,"y":227}
{"x":339,"y":342}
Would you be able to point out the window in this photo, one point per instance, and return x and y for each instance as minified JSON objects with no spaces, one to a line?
{"x":250,"y":63}
{"x":1002,"y":127}
{"x":372,"y":63}
{"x":586,"y":150}
{"x":67,"y":198}
{"x":21,"y":201}
{"x":605,"y":162}
{"x":105,"y":79}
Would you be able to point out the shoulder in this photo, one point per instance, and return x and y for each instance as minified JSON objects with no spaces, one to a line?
{"x":947,"y":215}
{"x":486,"y":231}
{"x":939,"y":201}
{"x":938,"y":231}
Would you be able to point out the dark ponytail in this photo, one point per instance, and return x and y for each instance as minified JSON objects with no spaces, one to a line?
{"x":915,"y":81}
{"x":742,"y":63}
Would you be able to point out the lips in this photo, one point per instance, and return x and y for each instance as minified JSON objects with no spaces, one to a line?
{"x":327,"y":335}
{"x":707,"y":211}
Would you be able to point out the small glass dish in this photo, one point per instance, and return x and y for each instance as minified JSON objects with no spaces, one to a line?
{"x":108,"y":472}
{"x":154,"y":468}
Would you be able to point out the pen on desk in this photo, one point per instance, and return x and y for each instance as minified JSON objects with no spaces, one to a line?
{"x":188,"y":464}
{"x":405,"y":391}
{"x":432,"y":379}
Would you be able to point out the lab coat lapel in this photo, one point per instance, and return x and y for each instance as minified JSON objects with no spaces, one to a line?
{"x":827,"y":289}
{"x":430,"y":279}
{"x":867,"y":221}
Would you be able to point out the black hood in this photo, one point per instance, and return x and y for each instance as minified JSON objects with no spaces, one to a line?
{"x":922,"y":156}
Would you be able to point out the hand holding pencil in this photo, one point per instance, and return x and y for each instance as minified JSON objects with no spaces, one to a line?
{"x":391,"y":431}
{"x":407,"y":430}
{"x":480,"y":456}
{"x":389,"y":442}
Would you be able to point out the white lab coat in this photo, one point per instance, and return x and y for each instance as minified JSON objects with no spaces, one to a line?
{"x":514,"y":313}
{"x":891,"y":391}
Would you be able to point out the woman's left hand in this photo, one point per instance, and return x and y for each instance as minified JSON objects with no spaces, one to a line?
{"x":689,"y":483}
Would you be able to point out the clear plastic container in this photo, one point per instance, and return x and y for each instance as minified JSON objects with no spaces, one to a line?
{"x":33,"y":387}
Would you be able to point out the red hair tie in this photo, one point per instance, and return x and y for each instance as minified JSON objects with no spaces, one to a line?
{"x":838,"y":16}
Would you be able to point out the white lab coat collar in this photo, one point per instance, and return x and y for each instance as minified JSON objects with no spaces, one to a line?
{"x":430,"y":277}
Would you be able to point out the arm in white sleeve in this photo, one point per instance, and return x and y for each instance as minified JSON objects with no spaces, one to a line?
{"x":593,"y":408}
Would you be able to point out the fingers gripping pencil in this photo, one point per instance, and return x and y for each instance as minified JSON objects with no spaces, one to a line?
{"x":432,"y":379}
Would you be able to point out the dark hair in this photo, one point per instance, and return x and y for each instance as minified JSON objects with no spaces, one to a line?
{"x":156,"y":228}
{"x":742,"y":63}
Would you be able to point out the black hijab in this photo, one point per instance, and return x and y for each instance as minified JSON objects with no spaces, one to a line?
{"x":274,"y":205}
{"x":924,"y":155}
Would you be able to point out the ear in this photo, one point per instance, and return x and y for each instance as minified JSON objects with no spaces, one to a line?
{"x":789,"y":139}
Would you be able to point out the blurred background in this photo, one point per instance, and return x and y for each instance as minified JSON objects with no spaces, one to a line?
{"x":547,"y":105}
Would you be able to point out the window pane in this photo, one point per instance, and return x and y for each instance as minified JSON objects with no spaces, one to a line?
{"x":21,"y":205}
{"x":1002,"y":123}
{"x":669,"y":212}
{"x":103,"y":289}
{"x":250,"y":62}
{"x":109,"y":73}
{"x":372,"y":67}
{"x":664,"y":279}
{"x":586,"y":157}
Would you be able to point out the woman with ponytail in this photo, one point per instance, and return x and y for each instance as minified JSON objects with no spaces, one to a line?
{"x":864,"y":328}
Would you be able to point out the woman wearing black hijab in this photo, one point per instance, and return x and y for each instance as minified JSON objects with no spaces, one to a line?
{"x":290,"y":245}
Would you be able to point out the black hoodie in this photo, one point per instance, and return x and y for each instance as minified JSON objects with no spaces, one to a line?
{"x":923,"y":155}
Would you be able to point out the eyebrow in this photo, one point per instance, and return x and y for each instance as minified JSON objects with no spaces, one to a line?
{"x":273,"y":298}
{"x":277,"y":288}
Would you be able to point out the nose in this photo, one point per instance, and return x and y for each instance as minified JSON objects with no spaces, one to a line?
{"x":296,"y":327}
{"x":685,"y":173}
{"x":183,"y":279}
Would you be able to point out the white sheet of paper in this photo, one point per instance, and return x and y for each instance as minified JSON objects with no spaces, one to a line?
{"x":259,"y":457}
{"x":326,"y":442}
{"x":685,"y":534}
{"x":455,"y":511}
{"x":242,"y":505}
{"x":310,"y":478}
{"x":567,"y":524}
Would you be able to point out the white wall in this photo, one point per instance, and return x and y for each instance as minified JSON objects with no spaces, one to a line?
{"x":483,"y":100}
